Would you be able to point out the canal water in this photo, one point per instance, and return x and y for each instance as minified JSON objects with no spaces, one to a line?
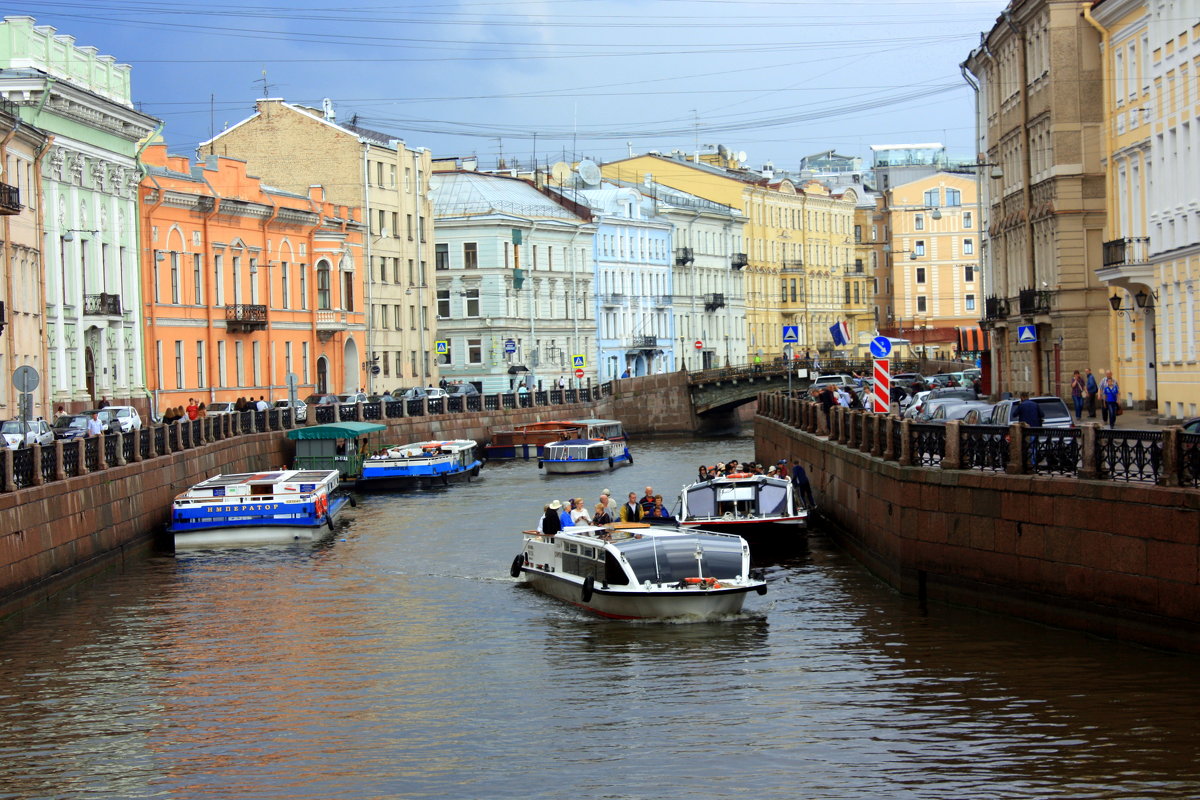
{"x":399,"y":660}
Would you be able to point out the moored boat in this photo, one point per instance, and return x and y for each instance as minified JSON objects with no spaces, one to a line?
{"x":257,"y":507}
{"x":758,"y":506}
{"x":526,"y":441}
{"x":422,"y":464}
{"x":635,"y":571}
{"x":576,"y":456}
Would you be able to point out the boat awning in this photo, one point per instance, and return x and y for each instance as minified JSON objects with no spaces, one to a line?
{"x":336,"y":430}
{"x":972,"y":339}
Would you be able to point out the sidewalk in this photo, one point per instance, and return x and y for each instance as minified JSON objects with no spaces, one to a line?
{"x":1130,"y":419}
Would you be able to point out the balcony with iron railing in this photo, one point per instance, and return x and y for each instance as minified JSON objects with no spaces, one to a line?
{"x":792,"y":265}
{"x":244,"y":317}
{"x":995,"y":308}
{"x":714,"y":301}
{"x":1034,"y":301}
{"x":1126,"y":260}
{"x":644,"y":342}
{"x":613,"y":299}
{"x":738,"y":260}
{"x":684,"y":255}
{"x":102,"y":305}
{"x":10,"y":200}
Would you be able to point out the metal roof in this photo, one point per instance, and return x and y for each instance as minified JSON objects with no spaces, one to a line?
{"x":336,"y":430}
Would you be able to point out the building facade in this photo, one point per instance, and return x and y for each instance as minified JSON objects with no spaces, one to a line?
{"x":90,"y":255}
{"x":246,"y":285}
{"x":515,"y":283}
{"x":1040,"y":120}
{"x":22,"y":291}
{"x":294,"y":147}
{"x":1152,"y":236}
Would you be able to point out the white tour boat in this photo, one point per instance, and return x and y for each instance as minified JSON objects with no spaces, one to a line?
{"x":257,"y":507}
{"x":756,"y":506}
{"x":421,"y":464}
{"x":575,"y":456}
{"x":635,"y":571}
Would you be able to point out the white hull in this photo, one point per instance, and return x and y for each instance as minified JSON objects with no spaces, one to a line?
{"x":580,"y":467}
{"x":637,"y":603}
{"x":251,"y":534}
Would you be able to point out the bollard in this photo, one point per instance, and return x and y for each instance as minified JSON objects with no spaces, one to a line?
{"x":952,"y":457}
{"x":1016,"y":449}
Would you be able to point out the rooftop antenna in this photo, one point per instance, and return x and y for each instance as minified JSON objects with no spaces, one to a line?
{"x":266,"y":86}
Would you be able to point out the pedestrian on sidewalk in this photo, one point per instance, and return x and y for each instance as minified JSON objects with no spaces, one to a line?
{"x":1092,"y":390}
{"x":1112,"y":398}
{"x":1077,"y":389}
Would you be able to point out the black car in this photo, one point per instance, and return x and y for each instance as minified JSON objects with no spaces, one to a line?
{"x":75,"y":426}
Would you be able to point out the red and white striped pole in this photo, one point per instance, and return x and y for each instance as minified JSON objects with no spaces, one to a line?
{"x":881,"y":397}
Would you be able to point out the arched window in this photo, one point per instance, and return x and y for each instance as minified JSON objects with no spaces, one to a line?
{"x":323,"y":288}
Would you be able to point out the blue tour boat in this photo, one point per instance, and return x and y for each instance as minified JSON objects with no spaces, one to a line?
{"x":257,"y":507}
{"x":422,"y":464}
{"x":575,"y":456}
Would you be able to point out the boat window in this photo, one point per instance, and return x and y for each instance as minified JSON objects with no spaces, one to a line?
{"x":262,"y":488}
{"x":667,"y":560}
{"x":583,"y":566}
{"x":772,"y":500}
{"x":702,"y":502}
{"x":572,"y":548}
{"x":736,"y":492}
{"x":614,"y":573}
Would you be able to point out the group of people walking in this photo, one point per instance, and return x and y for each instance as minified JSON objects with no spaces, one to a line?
{"x":1107,"y":391}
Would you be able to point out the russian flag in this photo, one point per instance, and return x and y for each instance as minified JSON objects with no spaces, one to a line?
{"x":840,"y":333}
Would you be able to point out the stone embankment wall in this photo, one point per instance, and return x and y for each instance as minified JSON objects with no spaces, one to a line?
{"x":56,"y":533}
{"x":1115,"y":559}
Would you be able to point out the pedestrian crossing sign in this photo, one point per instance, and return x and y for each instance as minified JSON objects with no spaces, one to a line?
{"x":579,"y":362}
{"x":443,"y":347}
{"x":791,"y":333}
{"x":1026,"y":334}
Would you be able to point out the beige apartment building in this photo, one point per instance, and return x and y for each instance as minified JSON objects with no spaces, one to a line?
{"x":1040,"y":131}
{"x":293,"y":147}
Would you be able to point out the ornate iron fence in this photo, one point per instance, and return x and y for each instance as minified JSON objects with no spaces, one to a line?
{"x":1053,"y":451}
{"x":1129,"y":455}
{"x":185,"y":435}
{"x":126,"y":448}
{"x":928,"y":444}
{"x":373,"y":410}
{"x":437,"y":406}
{"x":491,"y":402}
{"x":897,"y":439}
{"x":49,"y":463}
{"x":324,"y":414}
{"x":71,"y":456}
{"x":111,"y":442}
{"x":160,"y":439}
{"x":416,"y":408}
{"x":525,"y":400}
{"x":571,"y":396}
{"x":147,"y":434}
{"x":454,"y":404}
{"x":474,"y":402}
{"x":348,"y":412}
{"x":395,"y":408}
{"x":91,"y":453}
{"x":556,"y":397}
{"x":985,"y":447}
{"x":23,"y":467}
{"x":541,"y":398}
{"x":1189,"y":459}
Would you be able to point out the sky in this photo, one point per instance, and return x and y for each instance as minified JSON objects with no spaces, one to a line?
{"x":559,"y":79}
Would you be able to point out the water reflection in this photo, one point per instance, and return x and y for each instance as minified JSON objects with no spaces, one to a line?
{"x":398,"y":659}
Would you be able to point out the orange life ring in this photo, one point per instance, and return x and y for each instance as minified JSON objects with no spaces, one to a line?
{"x":739,"y":475}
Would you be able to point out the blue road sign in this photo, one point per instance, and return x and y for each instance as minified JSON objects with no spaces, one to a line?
{"x":510,"y":345}
{"x":1027,"y":334}
{"x":881,"y":347}
{"x":791,"y":333}
{"x":578,"y":362}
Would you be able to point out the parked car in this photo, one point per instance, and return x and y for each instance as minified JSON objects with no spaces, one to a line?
{"x":321,"y":400}
{"x":979,"y":415}
{"x":961,"y":392}
{"x":17,"y":433}
{"x":352,"y":397}
{"x":1191,"y":425}
{"x":944,"y":412}
{"x":832,"y":379}
{"x":412,"y":393}
{"x":299,"y":409}
{"x":74,"y":426}
{"x":461,"y":389}
{"x":218,"y":408}
{"x":127,"y":416}
{"x":946,"y":379}
{"x":907,"y":379}
{"x":435,"y":392}
{"x":1054,"y":410}
{"x":931,"y":405}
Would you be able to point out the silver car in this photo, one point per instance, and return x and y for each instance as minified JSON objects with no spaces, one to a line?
{"x":299,"y":409}
{"x":23,"y":434}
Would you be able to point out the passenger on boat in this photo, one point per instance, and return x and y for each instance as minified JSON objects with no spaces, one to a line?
{"x":659,"y":511}
{"x":579,"y":512}
{"x":647,"y":501}
{"x":702,"y":474}
{"x":551,"y":522}
{"x":610,"y":504}
{"x":564,"y":514}
{"x":601,"y":516}
{"x":632,"y":510}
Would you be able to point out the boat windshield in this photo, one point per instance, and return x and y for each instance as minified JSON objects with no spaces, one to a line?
{"x":763,"y":498}
{"x":667,"y":559}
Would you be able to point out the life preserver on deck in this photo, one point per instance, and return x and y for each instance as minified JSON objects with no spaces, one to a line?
{"x":321,"y":504}
{"x":704,"y":583}
{"x":762,"y":589}
{"x":589,"y":584}
{"x":739,"y":475}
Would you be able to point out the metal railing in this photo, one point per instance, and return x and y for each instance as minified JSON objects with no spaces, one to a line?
{"x":102,"y":304}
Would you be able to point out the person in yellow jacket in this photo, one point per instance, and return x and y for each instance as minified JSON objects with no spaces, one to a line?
{"x":632,"y":510}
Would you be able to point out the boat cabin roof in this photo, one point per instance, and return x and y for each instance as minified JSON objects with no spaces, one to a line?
{"x":287,"y":481}
{"x":336,"y":430}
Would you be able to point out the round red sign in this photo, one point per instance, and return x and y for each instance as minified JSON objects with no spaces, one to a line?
{"x":699,"y":345}
{"x":578,"y":373}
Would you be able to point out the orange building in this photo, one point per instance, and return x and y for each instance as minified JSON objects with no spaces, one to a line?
{"x":245,"y":284}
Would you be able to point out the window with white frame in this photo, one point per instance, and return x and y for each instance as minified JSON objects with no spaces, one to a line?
{"x":471,"y":303}
{"x":968,"y":246}
{"x":970,"y":302}
{"x":443,"y":303}
{"x":474,"y":351}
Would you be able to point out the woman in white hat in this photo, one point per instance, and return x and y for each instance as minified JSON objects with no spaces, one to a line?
{"x":551,"y":524}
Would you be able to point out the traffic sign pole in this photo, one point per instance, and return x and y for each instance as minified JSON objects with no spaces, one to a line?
{"x":882,"y":395}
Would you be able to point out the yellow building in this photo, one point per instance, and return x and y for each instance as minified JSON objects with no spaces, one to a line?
{"x":797,"y":244}
{"x":934,"y":281}
{"x":1152,"y":232}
